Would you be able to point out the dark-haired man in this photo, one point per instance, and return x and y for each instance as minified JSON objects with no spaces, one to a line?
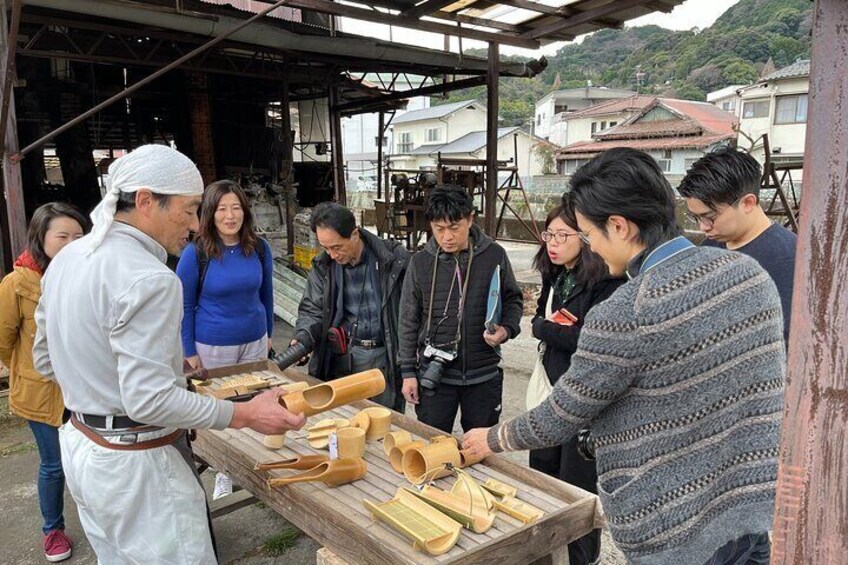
{"x":722,"y":192}
{"x":444,"y":309}
{"x":349,"y":313}
{"x":680,"y":373}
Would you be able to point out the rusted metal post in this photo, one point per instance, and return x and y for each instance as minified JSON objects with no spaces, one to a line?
{"x":130,"y":89}
{"x":491,"y":200}
{"x":381,"y":129}
{"x":337,"y":148}
{"x":812,"y":487}
{"x":12,"y":182}
{"x":8,"y":74}
{"x":287,"y":169}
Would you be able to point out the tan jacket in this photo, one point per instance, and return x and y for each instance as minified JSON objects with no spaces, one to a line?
{"x":31,"y":396}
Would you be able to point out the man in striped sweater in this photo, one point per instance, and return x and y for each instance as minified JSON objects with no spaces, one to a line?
{"x":679,"y":374}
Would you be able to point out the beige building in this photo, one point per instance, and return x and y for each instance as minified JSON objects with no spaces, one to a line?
{"x":456,"y":131}
{"x":776,"y":105}
{"x":553,"y":109}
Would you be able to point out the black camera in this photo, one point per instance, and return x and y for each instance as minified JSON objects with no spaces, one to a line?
{"x":585,"y":445}
{"x":432,"y":376}
{"x":291,"y":355}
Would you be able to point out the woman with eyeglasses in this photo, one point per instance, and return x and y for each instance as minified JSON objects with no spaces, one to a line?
{"x":574,"y":278}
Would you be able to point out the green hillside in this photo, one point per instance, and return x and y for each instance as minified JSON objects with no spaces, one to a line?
{"x":654,"y":60}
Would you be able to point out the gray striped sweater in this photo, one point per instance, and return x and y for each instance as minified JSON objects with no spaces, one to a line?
{"x":681,"y":374}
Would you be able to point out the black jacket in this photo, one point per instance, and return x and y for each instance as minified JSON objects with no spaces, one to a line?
{"x":561,"y":341}
{"x":318,"y":307}
{"x":476,"y":361}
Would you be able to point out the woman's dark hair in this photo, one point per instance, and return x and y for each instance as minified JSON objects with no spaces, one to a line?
{"x":40,"y":223}
{"x":208,"y":239}
{"x":590,"y":268}
{"x":629,"y":183}
{"x":448,"y":204}
{"x":722,"y":177}
{"x":334,"y":216}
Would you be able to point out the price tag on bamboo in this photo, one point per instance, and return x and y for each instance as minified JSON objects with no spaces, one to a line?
{"x":334,"y":446}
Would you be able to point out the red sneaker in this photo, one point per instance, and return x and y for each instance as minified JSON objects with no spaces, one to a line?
{"x":57,"y":546}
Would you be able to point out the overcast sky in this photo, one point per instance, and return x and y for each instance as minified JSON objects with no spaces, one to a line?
{"x":692,"y":13}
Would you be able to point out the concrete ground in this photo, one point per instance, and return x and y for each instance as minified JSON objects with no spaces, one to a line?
{"x":269,"y":539}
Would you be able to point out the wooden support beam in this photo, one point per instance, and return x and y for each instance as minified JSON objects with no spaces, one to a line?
{"x":337,"y":148}
{"x":327,"y":7}
{"x":489,"y":221}
{"x":584,"y":17}
{"x":287,"y":166}
{"x":425,"y":7}
{"x":12,"y":181}
{"x":811,"y":511}
{"x":404,"y":94}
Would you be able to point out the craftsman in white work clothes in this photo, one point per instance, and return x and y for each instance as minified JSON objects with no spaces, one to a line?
{"x":108,"y":332}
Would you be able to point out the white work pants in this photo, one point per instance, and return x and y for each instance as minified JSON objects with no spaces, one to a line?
{"x":136,"y":507}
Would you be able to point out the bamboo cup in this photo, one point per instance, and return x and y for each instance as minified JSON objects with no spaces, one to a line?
{"x":326,"y":396}
{"x":429,"y":462}
{"x":351,"y":443}
{"x":380,"y":423}
{"x":396,"y":453}
{"x":396,"y":439}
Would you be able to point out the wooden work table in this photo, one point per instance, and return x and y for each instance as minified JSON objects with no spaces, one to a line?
{"x":336,"y":517}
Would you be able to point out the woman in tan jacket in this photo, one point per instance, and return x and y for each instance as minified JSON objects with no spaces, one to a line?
{"x":31,"y":396}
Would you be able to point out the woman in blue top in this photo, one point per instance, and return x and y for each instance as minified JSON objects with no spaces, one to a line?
{"x":228,"y":298}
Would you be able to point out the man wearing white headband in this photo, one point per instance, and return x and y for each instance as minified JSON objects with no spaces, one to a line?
{"x":108,"y":333}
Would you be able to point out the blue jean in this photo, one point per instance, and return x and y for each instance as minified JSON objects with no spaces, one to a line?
{"x":51,"y":477}
{"x":751,"y":549}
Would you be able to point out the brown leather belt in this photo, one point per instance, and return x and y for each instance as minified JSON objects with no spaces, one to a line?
{"x":140,"y":446}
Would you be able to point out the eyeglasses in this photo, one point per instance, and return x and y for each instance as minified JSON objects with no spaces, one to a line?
{"x":559,"y":237}
{"x":584,"y":235}
{"x":710,"y":217}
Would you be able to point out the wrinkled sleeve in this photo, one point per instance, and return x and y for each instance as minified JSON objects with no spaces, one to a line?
{"x":40,"y":354}
{"x":143,"y":341}
{"x":411,"y":304}
{"x":310,"y":311}
{"x":10,"y":320}
{"x":266,"y":292}
{"x":602,"y":369}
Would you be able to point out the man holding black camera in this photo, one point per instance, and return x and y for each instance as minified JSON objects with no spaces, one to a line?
{"x":459,"y":302}
{"x":349,"y":312}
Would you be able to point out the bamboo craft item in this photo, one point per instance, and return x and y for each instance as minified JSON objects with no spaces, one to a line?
{"x":380,"y":422}
{"x":361,"y":420}
{"x":326,"y":396}
{"x":430,"y":462}
{"x":396,"y":439}
{"x":465,"y":487}
{"x":476,"y":518}
{"x":429,"y":529}
{"x":275,"y":441}
{"x":505,"y":500}
{"x":350,"y":443}
{"x":318,"y":435}
{"x":396,"y":454}
{"x":332,"y":473}
{"x":300,"y":463}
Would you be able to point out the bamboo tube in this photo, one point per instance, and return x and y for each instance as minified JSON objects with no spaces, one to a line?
{"x":301,"y":463}
{"x":396,"y":439}
{"x":361,"y":420}
{"x":396,"y":454}
{"x":326,"y":396}
{"x":275,"y":441}
{"x":380,"y":422}
{"x":351,"y":443}
{"x":429,"y":462}
{"x":332,"y":473}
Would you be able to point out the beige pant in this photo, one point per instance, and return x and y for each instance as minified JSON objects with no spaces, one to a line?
{"x":137,"y":507}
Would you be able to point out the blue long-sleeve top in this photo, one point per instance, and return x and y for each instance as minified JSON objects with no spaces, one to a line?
{"x":236,"y":303}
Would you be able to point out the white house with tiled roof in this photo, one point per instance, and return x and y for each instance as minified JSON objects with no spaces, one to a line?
{"x":553,"y":109}
{"x":777,"y":105}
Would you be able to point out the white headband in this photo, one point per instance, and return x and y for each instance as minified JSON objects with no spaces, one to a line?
{"x":156,"y":168}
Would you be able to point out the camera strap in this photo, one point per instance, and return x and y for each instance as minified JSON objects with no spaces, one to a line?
{"x":461,"y":296}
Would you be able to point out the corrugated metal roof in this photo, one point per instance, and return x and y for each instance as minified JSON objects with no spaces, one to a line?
{"x":800,"y":68}
{"x":592,"y":148}
{"x":473,"y":141}
{"x":434,"y":112}
{"x":612,"y":107}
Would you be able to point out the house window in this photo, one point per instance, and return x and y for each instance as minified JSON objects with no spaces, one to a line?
{"x":728,"y":105}
{"x":613,"y":124}
{"x":404,"y":144}
{"x":791,"y":109}
{"x":594,"y":127}
{"x":572,"y":165}
{"x":539,"y":120}
{"x":756,"y":109}
{"x":603,"y":126}
{"x":434,"y":135}
{"x":665,"y":162}
{"x":377,"y":140}
{"x":687,"y":163}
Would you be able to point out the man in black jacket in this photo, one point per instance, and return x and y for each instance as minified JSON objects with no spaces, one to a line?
{"x":445,"y":346}
{"x":348,"y":315}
